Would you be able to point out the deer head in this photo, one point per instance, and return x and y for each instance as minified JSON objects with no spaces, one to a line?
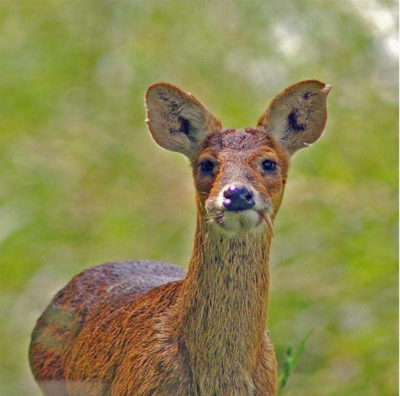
{"x":239,"y":174}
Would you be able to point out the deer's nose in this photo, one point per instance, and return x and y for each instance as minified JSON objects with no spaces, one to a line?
{"x":238,"y":198}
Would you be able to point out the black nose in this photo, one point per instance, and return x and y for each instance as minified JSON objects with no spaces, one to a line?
{"x":238,"y":198}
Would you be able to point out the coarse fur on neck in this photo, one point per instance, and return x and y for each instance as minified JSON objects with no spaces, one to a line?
{"x":224,"y":304}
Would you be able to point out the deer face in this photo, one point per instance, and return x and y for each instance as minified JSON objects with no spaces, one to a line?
{"x":239,"y":174}
{"x":239,"y":177}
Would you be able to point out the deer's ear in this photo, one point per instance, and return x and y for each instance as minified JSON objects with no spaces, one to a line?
{"x":297,"y":116}
{"x":176,"y":119}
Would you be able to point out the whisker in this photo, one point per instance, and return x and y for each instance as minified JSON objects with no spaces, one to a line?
{"x":215,"y":215}
{"x":267,"y":218}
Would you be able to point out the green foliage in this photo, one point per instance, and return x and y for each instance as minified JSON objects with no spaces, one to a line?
{"x":289,"y":362}
{"x":82,"y":182}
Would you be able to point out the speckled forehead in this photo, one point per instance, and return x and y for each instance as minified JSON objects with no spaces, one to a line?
{"x":239,"y":139}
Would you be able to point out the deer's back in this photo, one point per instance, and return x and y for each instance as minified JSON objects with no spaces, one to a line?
{"x":111,"y":284}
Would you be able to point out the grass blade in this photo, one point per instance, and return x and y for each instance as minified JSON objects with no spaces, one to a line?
{"x":289,"y":362}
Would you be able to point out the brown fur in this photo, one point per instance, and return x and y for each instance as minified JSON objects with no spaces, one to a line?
{"x":144,"y":328}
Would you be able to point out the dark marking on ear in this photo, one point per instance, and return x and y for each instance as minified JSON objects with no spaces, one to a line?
{"x":293,"y":122}
{"x":184,"y":123}
{"x":185,"y":126}
{"x":308,"y":95}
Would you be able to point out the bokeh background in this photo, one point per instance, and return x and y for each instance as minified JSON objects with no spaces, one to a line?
{"x":83,"y":183}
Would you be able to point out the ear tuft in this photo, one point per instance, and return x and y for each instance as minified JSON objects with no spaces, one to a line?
{"x":297,"y":116}
{"x":176,"y":119}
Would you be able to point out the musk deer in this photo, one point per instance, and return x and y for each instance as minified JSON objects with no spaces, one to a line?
{"x":144,"y":328}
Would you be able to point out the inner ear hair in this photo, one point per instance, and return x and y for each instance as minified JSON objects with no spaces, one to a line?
{"x":176,"y":119}
{"x":174,"y":110}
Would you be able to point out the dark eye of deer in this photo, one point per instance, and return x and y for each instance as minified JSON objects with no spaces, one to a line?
{"x":207,"y":166}
{"x":269,"y":165}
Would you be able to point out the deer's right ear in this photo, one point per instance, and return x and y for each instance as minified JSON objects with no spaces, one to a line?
{"x":176,"y":119}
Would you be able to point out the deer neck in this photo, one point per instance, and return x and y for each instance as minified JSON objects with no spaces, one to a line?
{"x":223,"y":306}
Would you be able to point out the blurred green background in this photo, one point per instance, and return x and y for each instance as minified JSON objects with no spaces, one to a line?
{"x":83,"y":183}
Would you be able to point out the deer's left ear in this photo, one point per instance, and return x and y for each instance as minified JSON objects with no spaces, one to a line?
{"x":297,"y":116}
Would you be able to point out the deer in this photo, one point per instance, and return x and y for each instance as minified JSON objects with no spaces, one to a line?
{"x":146,"y":328}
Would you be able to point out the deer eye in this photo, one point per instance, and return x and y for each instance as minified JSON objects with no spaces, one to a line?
{"x":207,"y":166}
{"x":269,"y":165}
